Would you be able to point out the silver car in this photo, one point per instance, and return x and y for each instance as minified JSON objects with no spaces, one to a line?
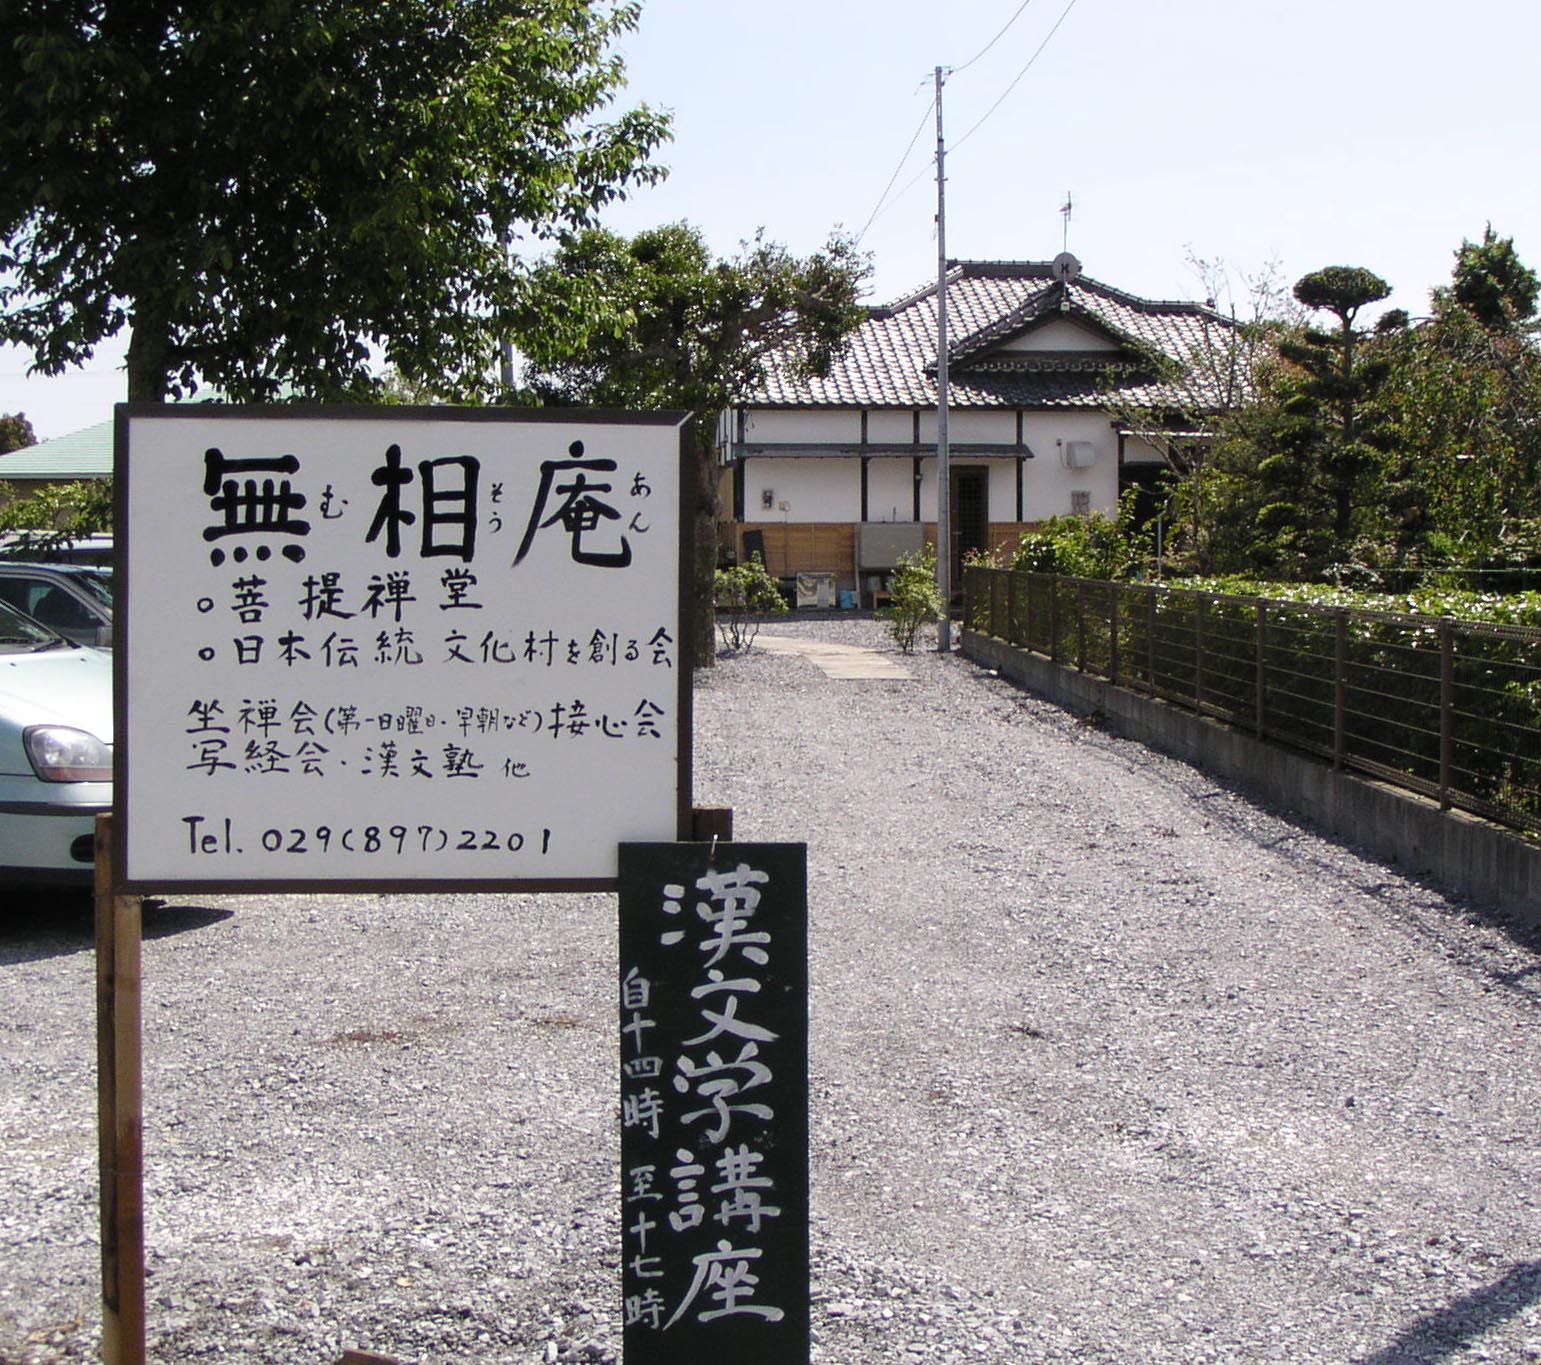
{"x":72,"y":599}
{"x":55,"y":753}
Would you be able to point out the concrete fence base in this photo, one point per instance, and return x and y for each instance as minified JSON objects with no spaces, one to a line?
{"x":1463,"y":853}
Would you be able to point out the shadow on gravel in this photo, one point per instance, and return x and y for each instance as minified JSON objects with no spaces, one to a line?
{"x":41,"y":924}
{"x":59,"y":924}
{"x":162,"y":920}
{"x":1440,"y":927}
{"x":1453,"y":1328}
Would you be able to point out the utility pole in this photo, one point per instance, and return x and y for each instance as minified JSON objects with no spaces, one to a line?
{"x":943,"y":469}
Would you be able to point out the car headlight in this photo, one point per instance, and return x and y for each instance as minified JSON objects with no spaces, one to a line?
{"x":61,"y":754}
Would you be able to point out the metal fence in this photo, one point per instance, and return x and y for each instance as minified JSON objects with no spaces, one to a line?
{"x":1447,"y":708}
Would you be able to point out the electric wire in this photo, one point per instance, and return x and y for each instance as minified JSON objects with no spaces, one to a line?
{"x":1065,"y":13}
{"x":879,"y":206}
{"x":953,"y":71}
{"x":885,"y":200}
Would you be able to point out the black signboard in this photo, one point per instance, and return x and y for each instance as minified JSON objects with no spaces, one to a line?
{"x":714,"y":1103}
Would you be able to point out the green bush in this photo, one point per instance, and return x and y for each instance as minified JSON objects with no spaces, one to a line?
{"x":1095,"y":546}
{"x":744,"y":593}
{"x":914,"y":598}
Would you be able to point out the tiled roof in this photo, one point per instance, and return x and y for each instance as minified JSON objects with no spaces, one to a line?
{"x":84,"y":454}
{"x":891,"y":359}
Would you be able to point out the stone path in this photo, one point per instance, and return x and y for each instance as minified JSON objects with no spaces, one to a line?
{"x":837,"y":660}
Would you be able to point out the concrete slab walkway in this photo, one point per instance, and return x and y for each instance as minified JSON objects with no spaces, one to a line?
{"x":837,"y":660}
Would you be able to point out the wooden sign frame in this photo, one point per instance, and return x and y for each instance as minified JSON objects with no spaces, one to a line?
{"x":250,"y":474}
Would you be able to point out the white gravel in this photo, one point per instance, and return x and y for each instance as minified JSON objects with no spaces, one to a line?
{"x":1108,"y":1065}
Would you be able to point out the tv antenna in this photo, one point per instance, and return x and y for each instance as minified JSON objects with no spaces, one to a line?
{"x":1066,"y":209}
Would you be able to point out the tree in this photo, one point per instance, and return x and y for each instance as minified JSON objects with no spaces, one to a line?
{"x":1219,"y":377}
{"x":15,"y":432}
{"x":1465,"y":396}
{"x":654,"y":322}
{"x":262,"y":191}
{"x":1324,"y":431}
{"x":1492,"y":283}
{"x":55,"y":514}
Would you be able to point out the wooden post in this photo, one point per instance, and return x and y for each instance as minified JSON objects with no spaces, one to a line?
{"x":120,"y":1110}
{"x":711,"y":822}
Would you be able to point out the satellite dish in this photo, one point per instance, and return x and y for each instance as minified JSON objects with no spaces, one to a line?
{"x":1065,"y":267}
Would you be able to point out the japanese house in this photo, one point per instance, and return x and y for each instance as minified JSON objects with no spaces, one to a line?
{"x":1062,"y":391}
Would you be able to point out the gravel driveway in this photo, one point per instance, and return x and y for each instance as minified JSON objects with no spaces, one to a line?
{"x":1108,"y":1065}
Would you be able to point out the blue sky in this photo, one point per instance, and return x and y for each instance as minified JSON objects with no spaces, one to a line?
{"x":1309,"y":133}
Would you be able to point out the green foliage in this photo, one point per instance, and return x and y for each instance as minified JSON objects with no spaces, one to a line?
{"x":15,"y":432}
{"x":653,"y":321}
{"x":1493,"y":284}
{"x":743,"y":594}
{"x":263,"y":191}
{"x":914,"y":598}
{"x":1095,"y":546}
{"x":1341,"y":290}
{"x":1498,"y":609}
{"x":1371,"y":458}
{"x":56,"y":514}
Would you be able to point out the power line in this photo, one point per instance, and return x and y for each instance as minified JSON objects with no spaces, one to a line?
{"x":878,"y":207}
{"x":954,"y":70}
{"x":1017,"y":80}
{"x":885,"y":200}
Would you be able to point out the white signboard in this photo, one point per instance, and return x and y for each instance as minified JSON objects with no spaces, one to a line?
{"x":385,"y":646}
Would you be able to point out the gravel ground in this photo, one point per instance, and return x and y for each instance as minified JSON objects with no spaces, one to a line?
{"x":1108,"y":1065}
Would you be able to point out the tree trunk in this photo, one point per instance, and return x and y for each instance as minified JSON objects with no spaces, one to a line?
{"x":149,"y":357}
{"x":704,"y":569}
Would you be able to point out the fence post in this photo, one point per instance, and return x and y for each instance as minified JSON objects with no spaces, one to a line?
{"x":1446,"y":708}
{"x":1011,"y":608}
{"x":1198,"y":652}
{"x":1150,"y":637}
{"x":1262,"y":664}
{"x":1340,"y":686}
{"x":1054,"y":618}
{"x":1115,"y":595}
{"x":1080,"y":627}
{"x":1027,"y":611}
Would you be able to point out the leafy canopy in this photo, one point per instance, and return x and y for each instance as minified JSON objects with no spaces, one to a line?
{"x":261,"y":190}
{"x":1492,"y":283}
{"x":15,"y":432}
{"x":654,"y":321}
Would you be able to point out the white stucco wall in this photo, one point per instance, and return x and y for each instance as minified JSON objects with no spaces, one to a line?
{"x":813,"y":489}
{"x":1050,"y":484}
{"x":844,"y":427}
{"x":890,"y":489}
{"x":997,"y":425}
{"x":1060,"y":335}
{"x":890,"y":428}
{"x":828,"y":488}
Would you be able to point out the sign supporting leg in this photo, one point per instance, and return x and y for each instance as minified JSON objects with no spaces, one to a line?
{"x":120,"y":1110}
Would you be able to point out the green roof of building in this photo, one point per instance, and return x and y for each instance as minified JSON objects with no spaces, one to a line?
{"x":83,"y":454}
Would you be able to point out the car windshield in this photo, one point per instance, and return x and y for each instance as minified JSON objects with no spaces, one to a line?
{"x":97,"y":582}
{"x":22,"y":635}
